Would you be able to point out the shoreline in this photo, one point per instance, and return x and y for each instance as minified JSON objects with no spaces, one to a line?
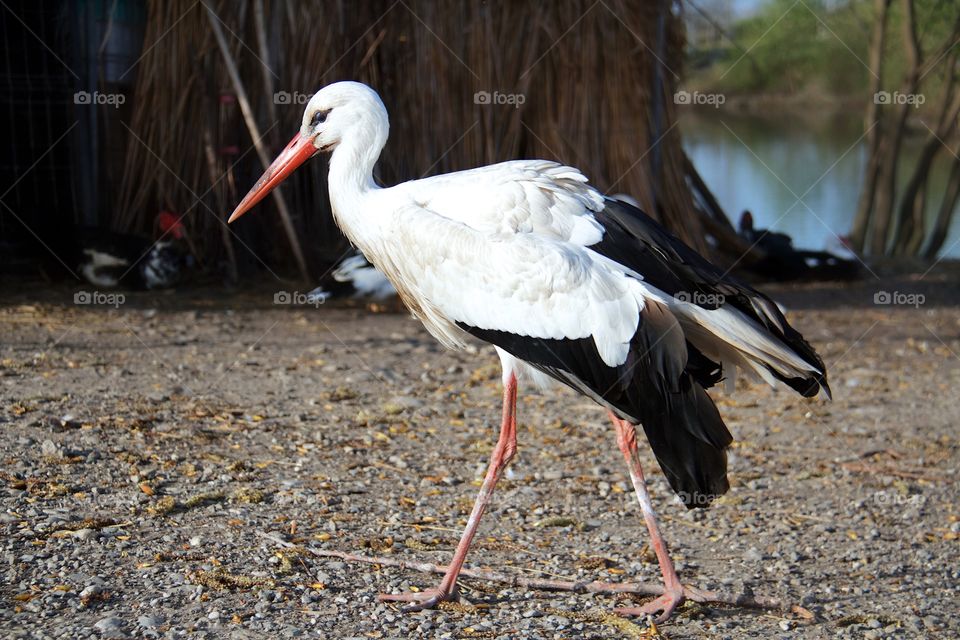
{"x":802,"y":104}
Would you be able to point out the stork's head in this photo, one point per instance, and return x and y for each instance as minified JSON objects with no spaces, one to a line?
{"x":338,"y":112}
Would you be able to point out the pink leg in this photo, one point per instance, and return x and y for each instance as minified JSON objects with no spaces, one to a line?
{"x":673,"y":591}
{"x":499,"y":459}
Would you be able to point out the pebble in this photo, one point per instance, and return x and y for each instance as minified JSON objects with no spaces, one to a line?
{"x":753,"y":555}
{"x":150,"y":622}
{"x":86,"y":534}
{"x":90,"y":591}
{"x":51,"y":449}
{"x":110,"y":625}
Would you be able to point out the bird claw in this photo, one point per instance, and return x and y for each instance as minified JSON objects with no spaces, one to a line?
{"x":421,"y":600}
{"x":665,"y":605}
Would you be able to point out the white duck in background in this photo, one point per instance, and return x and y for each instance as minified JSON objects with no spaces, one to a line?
{"x":355,"y":278}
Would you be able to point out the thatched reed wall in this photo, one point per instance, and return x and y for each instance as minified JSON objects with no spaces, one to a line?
{"x":597,"y":81}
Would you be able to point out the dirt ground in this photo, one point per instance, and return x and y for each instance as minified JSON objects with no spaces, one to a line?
{"x":155,"y":453}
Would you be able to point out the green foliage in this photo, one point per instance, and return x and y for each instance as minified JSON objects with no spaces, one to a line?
{"x":819,"y":46}
{"x":935,"y":20}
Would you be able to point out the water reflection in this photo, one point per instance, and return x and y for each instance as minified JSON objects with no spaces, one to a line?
{"x":765,"y":163}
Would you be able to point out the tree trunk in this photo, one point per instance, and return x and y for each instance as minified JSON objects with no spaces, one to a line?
{"x":890,"y":153}
{"x":873,"y":125}
{"x":910,"y":230}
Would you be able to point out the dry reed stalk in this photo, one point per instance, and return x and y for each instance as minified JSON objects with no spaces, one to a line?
{"x":257,"y":138}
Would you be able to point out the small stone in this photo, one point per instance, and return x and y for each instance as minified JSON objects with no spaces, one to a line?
{"x":398,"y":462}
{"x":150,"y":622}
{"x":110,"y":625}
{"x":90,"y":591}
{"x":86,"y":534}
{"x":785,"y":625}
{"x":51,"y":449}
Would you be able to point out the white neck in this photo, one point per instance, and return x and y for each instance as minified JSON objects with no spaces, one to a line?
{"x":350,"y":178}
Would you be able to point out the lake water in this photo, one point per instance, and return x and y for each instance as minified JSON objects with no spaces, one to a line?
{"x":765,"y":163}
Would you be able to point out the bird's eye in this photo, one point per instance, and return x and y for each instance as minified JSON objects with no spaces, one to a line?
{"x":319,"y":117}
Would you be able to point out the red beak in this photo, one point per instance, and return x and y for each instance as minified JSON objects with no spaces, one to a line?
{"x":295,"y":154}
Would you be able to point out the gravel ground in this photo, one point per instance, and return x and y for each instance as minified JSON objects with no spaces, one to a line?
{"x":148,"y":449}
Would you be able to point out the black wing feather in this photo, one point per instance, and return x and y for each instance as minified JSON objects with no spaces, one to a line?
{"x":637,"y":241}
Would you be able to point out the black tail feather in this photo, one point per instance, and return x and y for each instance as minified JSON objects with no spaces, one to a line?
{"x":689,"y":440}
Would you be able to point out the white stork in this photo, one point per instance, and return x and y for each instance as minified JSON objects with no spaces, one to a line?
{"x":566,"y":285}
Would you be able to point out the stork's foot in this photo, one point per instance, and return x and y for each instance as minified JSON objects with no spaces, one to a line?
{"x":421,"y":600}
{"x":665,"y":604}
